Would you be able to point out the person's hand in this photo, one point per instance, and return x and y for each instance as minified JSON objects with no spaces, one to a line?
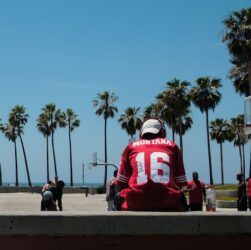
{"x":185,"y":189}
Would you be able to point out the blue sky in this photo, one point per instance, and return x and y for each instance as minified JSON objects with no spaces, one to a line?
{"x":65,"y":52}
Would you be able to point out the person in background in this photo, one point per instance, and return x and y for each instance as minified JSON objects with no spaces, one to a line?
{"x":249,"y":192}
{"x":47,"y":203}
{"x":151,"y":173}
{"x":241,"y":194}
{"x":47,"y":186}
{"x":197,"y":193}
{"x":52,"y":195}
{"x":57,"y":193}
{"x":110,"y":191}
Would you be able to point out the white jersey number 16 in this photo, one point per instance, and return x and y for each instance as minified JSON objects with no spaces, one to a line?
{"x":159,"y":171}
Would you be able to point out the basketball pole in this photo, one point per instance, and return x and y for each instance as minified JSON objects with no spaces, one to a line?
{"x":83,"y":173}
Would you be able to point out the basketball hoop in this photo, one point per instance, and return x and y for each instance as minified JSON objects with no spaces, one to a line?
{"x":95,"y":162}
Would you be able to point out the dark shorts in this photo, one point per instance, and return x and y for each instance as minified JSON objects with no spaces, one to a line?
{"x":118,"y":202}
{"x":196,"y":207}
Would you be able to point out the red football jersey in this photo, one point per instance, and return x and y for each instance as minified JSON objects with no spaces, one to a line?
{"x":249,"y":187}
{"x":196,"y":194}
{"x":151,"y":173}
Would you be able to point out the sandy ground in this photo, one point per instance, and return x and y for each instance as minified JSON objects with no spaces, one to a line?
{"x":30,"y":202}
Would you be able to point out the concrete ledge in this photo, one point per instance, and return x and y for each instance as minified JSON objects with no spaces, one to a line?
{"x":125,"y":230}
{"x":226,"y":204}
{"x":231,"y":193}
{"x":126,"y":224}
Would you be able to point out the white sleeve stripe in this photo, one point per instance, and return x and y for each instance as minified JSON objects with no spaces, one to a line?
{"x":181,"y":178}
{"x":122,"y":178}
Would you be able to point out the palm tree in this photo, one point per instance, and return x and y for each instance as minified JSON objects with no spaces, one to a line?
{"x":17,"y":119}
{"x":239,"y":75}
{"x":72,"y":122}
{"x":237,"y":36}
{"x":182,"y":125}
{"x":11,"y":134}
{"x":43,"y":127}
{"x":105,"y":106}
{"x":130,"y":121}
{"x":167,"y":110}
{"x":219,"y":132}
{"x":205,"y":96}
{"x":1,"y":177}
{"x":152,"y":111}
{"x":54,"y":118}
{"x":239,"y":138}
{"x":174,"y":102}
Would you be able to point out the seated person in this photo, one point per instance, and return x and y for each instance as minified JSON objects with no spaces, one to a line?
{"x":151,"y":173}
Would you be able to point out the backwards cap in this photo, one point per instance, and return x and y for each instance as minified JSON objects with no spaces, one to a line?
{"x":152,"y":126}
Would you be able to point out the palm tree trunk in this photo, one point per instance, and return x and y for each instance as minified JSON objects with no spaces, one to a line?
{"x":181,"y":144}
{"x":25,"y":159}
{"x":249,"y":80}
{"x":47,"y":158}
{"x":1,"y":179}
{"x":173,"y":130}
{"x":173,"y":134}
{"x":16,"y":164}
{"x":54,"y":154}
{"x":71,"y":169}
{"x":209,"y":150}
{"x":240,"y":154}
{"x":105,"y":175}
{"x":243,"y":160}
{"x":221,"y":163}
{"x":249,"y":76}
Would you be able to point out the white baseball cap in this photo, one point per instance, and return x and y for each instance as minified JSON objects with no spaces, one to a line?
{"x":152,"y":126}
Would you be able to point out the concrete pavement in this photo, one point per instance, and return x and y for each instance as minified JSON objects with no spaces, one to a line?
{"x":76,"y":203}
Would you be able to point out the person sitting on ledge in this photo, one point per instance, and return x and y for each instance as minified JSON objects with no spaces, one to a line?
{"x":151,"y":173}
